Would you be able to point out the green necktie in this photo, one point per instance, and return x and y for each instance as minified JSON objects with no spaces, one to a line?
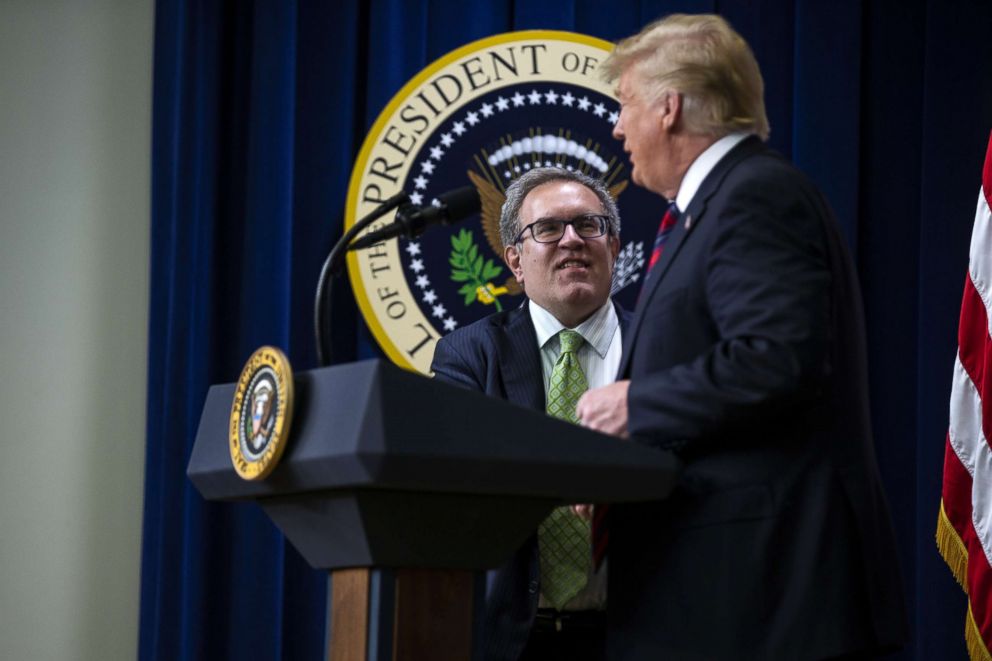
{"x":563,"y":538}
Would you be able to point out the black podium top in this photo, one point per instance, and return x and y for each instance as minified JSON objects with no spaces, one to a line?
{"x":388,"y":446}
{"x":373,"y":425}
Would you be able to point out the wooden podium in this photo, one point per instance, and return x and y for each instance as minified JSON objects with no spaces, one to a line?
{"x":407,"y":489}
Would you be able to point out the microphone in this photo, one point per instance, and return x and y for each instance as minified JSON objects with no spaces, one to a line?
{"x":412,"y":220}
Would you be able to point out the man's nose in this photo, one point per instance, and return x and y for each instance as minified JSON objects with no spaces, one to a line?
{"x":618,"y":129}
{"x":570,"y":237}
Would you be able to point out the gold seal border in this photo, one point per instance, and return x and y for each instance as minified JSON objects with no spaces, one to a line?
{"x":274,"y":358}
{"x":354,"y":184}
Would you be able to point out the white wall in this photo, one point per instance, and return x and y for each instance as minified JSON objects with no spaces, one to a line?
{"x":75,"y":122}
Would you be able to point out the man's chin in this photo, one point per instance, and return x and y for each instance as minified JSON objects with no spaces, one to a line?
{"x":582,"y":296}
{"x":574,"y":286}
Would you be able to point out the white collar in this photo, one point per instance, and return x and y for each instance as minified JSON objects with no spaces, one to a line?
{"x":597,"y":330}
{"x":702,"y":166}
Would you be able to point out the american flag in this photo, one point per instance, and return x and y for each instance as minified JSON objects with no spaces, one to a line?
{"x":964,"y":524}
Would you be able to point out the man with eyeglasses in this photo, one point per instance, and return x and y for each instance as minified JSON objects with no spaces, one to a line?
{"x":560,"y":231}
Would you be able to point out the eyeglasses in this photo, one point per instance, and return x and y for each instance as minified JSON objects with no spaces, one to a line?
{"x":550,"y":230}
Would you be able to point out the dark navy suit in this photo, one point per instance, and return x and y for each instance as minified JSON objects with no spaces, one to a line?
{"x":746,"y":356}
{"x":499,"y":356}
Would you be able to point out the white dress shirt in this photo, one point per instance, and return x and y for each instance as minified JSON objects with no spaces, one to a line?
{"x":702,"y":166}
{"x":599,"y":355}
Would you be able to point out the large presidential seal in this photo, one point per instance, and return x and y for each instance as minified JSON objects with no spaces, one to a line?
{"x":483,"y":115}
{"x":261,"y":413}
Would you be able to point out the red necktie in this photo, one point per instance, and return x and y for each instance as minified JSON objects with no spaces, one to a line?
{"x":664,"y":229}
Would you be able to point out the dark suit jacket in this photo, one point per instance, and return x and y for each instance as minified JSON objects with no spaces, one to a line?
{"x":499,"y":356}
{"x":746,"y":355}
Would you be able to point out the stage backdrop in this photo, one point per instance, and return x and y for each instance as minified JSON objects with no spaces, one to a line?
{"x":259,"y":111}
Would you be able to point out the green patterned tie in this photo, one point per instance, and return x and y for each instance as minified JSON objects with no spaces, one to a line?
{"x":563,"y":538}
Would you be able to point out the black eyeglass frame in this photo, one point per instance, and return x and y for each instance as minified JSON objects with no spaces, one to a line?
{"x":604,"y":227}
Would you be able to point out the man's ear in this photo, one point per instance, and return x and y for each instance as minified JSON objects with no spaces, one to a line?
{"x":511,"y":255}
{"x":614,"y":246}
{"x":670,"y":110}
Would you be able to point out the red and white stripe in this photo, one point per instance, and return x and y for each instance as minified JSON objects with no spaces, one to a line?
{"x":967,"y":488}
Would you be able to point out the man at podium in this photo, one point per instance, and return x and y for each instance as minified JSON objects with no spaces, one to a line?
{"x":560,"y":230}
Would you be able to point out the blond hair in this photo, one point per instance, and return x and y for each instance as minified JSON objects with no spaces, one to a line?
{"x":702,"y":58}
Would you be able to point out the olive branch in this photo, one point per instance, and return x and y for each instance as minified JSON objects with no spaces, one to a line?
{"x":468,"y":266}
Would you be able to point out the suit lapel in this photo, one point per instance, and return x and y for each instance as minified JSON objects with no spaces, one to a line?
{"x":688,"y":222}
{"x":520,"y":359}
{"x":624,"y":317}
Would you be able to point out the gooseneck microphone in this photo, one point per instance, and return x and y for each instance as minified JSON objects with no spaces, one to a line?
{"x":412,"y":220}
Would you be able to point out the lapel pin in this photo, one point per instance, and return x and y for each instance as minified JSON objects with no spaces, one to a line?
{"x":688,"y":222}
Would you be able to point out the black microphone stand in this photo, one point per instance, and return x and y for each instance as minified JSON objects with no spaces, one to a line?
{"x":332,"y":268}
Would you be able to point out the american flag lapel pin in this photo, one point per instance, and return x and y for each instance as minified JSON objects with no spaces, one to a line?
{"x":688,"y":222}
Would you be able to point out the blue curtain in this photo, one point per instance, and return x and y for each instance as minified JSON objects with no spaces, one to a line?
{"x":259,"y":110}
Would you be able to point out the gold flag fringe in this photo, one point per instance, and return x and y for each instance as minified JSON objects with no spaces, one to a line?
{"x":954,"y":553}
{"x":973,"y":638}
{"x":952,"y":549}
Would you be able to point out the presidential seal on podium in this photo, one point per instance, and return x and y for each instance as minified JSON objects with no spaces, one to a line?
{"x":261,"y":413}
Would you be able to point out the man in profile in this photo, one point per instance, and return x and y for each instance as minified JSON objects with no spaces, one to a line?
{"x":746,"y":357}
{"x":560,"y":232}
